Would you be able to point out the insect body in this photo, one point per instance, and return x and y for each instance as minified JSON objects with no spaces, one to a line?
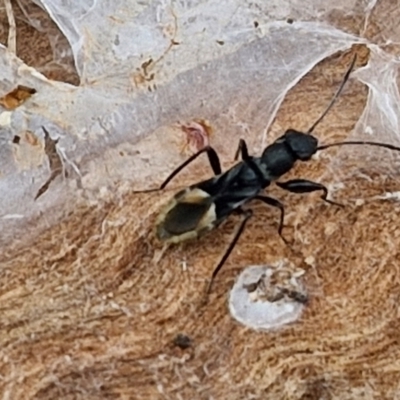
{"x":201,"y":207}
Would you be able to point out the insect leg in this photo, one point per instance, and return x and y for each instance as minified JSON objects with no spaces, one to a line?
{"x":242,"y":149}
{"x":306,"y":186}
{"x":247,"y":214}
{"x":248,"y":160}
{"x":275,"y":203}
{"x":212,"y":158}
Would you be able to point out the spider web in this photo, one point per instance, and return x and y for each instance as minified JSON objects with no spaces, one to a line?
{"x":144,"y":67}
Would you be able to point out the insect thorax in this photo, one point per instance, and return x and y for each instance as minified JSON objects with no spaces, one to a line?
{"x":278,"y":159}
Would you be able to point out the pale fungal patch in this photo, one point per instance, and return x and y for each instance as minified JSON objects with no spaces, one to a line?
{"x":360,"y":202}
{"x":310,"y":260}
{"x":267,"y":297}
{"x":5,"y":118}
{"x":368,"y":130}
{"x":388,"y":196}
{"x":330,"y":228}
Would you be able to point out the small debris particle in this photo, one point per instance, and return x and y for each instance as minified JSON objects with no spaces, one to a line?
{"x":182,"y":341}
{"x":197,"y":135}
{"x":50,"y":148}
{"x":16,"y":97}
{"x":16,"y":139}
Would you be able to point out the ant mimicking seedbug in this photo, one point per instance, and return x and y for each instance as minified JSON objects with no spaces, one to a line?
{"x":203,"y":206}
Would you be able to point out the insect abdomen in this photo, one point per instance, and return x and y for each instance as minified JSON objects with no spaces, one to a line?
{"x":184,"y":217}
{"x":187,"y":216}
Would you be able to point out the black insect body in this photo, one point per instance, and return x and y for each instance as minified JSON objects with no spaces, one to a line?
{"x":200,"y":207}
{"x":203,"y":206}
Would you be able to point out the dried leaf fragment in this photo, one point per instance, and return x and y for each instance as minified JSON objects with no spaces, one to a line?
{"x":197,"y":135}
{"x":18,"y":96}
{"x":54,"y":161}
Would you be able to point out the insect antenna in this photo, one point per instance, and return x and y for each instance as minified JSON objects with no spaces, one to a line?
{"x":359,"y":142}
{"x":345,"y":79}
{"x":351,"y":142}
{"x":212,"y":158}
